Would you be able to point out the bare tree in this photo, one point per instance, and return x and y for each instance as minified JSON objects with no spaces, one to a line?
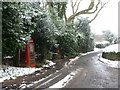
{"x":75,"y":7}
{"x":93,"y":8}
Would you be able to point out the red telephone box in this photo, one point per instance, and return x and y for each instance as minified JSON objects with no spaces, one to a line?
{"x":27,"y":56}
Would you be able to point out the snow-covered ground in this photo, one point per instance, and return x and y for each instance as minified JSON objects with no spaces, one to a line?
{"x":111,"y":63}
{"x":111,"y":48}
{"x":62,"y":83}
{"x":29,"y":85}
{"x":82,"y":54}
{"x":8,"y":72}
{"x":97,"y":49}
{"x":49,"y":63}
{"x":72,"y":60}
{"x":103,"y":42}
{"x":59,"y":84}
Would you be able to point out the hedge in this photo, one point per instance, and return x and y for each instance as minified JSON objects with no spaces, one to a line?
{"x":111,"y":55}
{"x":101,"y":45}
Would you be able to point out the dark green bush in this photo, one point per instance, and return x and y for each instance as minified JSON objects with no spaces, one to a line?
{"x":111,"y":55}
{"x":102,"y":45}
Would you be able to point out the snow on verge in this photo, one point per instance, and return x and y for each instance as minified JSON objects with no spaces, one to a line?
{"x":110,"y":63}
{"x":83,"y":54}
{"x":103,"y":42}
{"x":9,"y":72}
{"x":111,"y":48}
{"x":49,"y":63}
{"x":114,"y":64}
{"x":97,"y":49}
{"x":73,"y":59}
{"x":62,"y":83}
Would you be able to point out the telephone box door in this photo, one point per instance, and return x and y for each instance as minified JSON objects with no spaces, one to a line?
{"x":27,"y":56}
{"x":30,"y":52}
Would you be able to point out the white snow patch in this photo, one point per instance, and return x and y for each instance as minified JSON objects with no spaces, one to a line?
{"x":66,"y":64}
{"x":87,"y":53}
{"x":111,"y":48}
{"x":22,"y":86}
{"x":97,"y":49}
{"x":82,"y":54}
{"x":73,"y":59}
{"x":29,"y":85}
{"x":114,"y":64}
{"x":48,"y":81}
{"x":49,"y":63}
{"x":110,"y":63}
{"x":103,"y":42}
{"x":37,"y":74}
{"x":62,"y":83}
{"x":9,"y":72}
{"x":8,"y":57}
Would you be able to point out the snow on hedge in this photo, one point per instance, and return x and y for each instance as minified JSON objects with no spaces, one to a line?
{"x":110,"y":63}
{"x":111,"y":48}
{"x":103,"y":42}
{"x":9,"y":72}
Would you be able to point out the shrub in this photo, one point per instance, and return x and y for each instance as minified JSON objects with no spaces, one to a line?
{"x":102,"y":45}
{"x":68,"y":44}
{"x":111,"y":55}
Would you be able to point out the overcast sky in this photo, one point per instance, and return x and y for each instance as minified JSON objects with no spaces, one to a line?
{"x":107,"y":18}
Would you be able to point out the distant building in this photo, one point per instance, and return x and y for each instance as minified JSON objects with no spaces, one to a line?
{"x":98,"y":38}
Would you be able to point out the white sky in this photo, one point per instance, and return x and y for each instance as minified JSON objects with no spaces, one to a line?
{"x":107,"y":18}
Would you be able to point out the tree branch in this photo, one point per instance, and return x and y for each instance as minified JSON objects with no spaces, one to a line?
{"x":82,"y":12}
{"x":98,"y":12}
{"x":72,"y":6}
{"x":77,"y":6}
{"x":95,"y":9}
{"x":75,"y":3}
{"x":65,"y":16}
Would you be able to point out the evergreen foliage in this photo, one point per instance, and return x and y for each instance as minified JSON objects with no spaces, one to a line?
{"x":111,"y":55}
{"x":18,"y":22}
{"x":44,"y":36}
{"x":10,"y":28}
{"x":48,"y":29}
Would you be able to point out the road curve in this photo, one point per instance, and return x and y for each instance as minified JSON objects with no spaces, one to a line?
{"x":95,"y":74}
{"x":92,"y":74}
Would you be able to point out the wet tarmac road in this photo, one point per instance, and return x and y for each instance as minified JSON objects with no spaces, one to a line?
{"x":95,"y":74}
{"x":92,"y":74}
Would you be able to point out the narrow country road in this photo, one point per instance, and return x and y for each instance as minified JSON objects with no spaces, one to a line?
{"x":91,"y":74}
{"x":95,"y":74}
